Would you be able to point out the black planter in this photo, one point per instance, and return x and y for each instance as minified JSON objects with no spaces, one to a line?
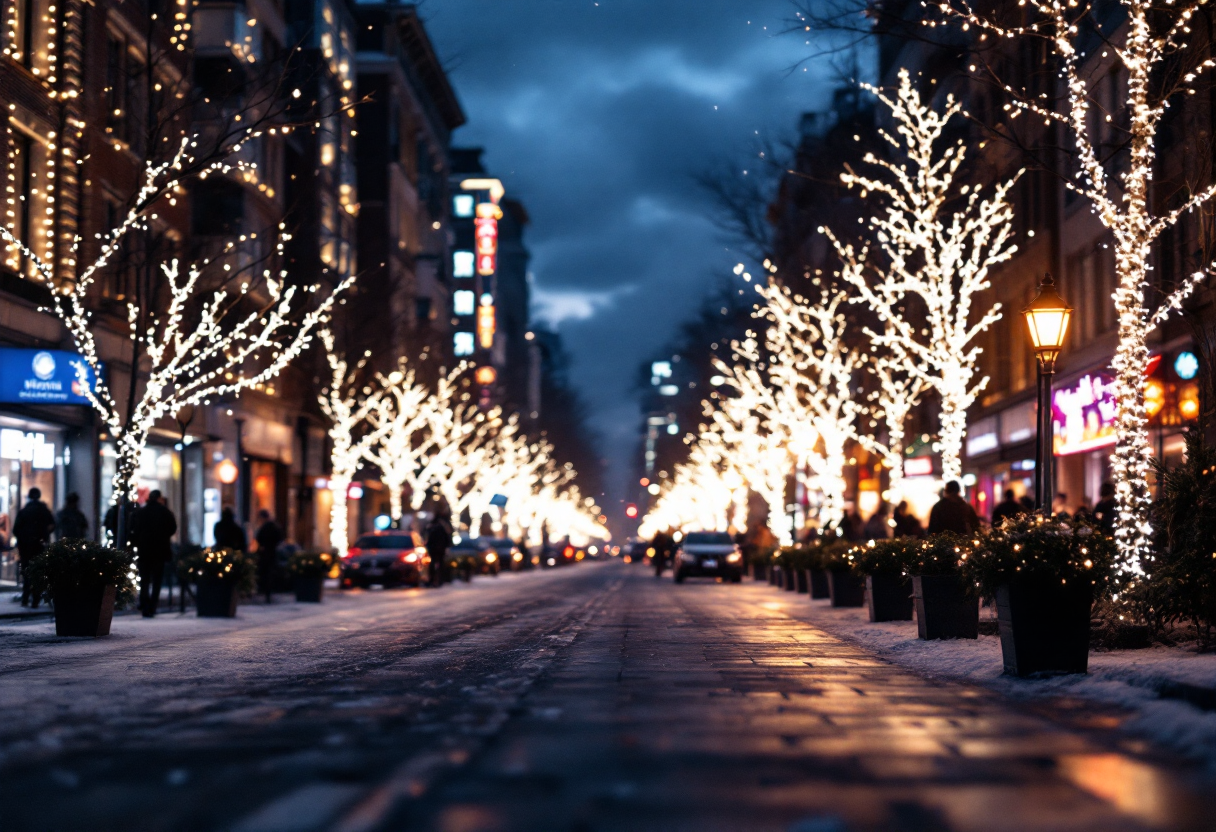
{"x":1044,"y":626}
{"x":944,"y":609}
{"x":819,"y":584}
{"x":84,"y":611}
{"x":791,"y":579}
{"x":889,"y":597}
{"x":310,"y":590}
{"x":777,"y":577}
{"x":216,"y":598}
{"x":760,"y":571}
{"x":846,"y":588}
{"x":803,"y":578}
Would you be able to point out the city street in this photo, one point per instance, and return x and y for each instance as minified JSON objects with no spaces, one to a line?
{"x":586,"y":698}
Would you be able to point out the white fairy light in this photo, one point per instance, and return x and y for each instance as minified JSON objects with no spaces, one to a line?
{"x":937,"y":254}
{"x":1156,"y":37}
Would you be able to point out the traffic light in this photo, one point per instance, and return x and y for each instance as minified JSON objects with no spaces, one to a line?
{"x":631,"y":511}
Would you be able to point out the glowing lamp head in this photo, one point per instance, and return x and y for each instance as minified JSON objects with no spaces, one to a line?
{"x":226,"y":472}
{"x":1047,"y":318}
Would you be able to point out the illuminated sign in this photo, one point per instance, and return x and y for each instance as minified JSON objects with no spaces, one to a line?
{"x":463,"y":204}
{"x":1186,"y":365}
{"x":464,"y":264}
{"x":462,"y":343}
{"x":485,"y":326}
{"x":1083,"y":416}
{"x":463,"y":302}
{"x":661,"y":369}
{"x":918,"y":466}
{"x":486,"y":375}
{"x":42,"y":377}
{"x":668,"y":390}
{"x":27,"y":447}
{"x":487,"y":245}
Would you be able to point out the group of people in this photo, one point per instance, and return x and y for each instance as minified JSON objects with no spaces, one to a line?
{"x":149,"y":534}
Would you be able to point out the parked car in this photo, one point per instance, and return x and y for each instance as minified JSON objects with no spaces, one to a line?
{"x":708,"y":555}
{"x":391,"y":558}
{"x":474,"y":554}
{"x":639,"y":551}
{"x":510,"y":556}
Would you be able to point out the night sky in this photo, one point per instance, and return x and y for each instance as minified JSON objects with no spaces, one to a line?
{"x":597,"y":115}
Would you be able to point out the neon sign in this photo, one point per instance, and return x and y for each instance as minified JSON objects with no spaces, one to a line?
{"x":486,"y":234}
{"x":485,"y":326}
{"x":1083,"y":416}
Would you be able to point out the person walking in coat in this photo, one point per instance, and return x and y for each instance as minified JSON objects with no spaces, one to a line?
{"x":438,"y":541}
{"x":268,"y":537}
{"x":32,"y":528}
{"x":877,"y":528}
{"x":952,"y":513}
{"x":1106,"y":509}
{"x":71,"y":524}
{"x":1009,"y":508}
{"x":228,"y":533}
{"x":152,"y":530}
{"x":906,"y":524}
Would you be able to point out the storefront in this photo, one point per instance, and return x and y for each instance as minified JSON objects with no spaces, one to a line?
{"x":46,"y":436}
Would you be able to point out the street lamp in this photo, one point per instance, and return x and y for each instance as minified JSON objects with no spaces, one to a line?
{"x":1047,"y":318}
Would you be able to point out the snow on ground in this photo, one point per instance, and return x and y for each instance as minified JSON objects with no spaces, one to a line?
{"x":1146,"y":682}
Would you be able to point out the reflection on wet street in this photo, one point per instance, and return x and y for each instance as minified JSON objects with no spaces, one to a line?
{"x":587,"y":698}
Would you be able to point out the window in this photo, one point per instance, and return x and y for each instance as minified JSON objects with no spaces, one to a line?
{"x":462,"y":343}
{"x":463,"y":205}
{"x":463,"y":264}
{"x":27,"y":214}
{"x":125,"y":100}
{"x":30,"y":43}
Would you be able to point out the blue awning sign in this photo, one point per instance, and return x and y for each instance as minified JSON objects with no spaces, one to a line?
{"x":42,"y":377}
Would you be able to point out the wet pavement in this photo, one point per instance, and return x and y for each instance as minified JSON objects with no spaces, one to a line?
{"x":588,"y":698}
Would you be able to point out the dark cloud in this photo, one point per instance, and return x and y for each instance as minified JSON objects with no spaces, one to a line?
{"x":596,"y":115}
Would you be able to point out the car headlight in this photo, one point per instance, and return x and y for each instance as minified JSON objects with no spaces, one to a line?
{"x":412,"y":557}
{"x":734,"y":557}
{"x":517,"y":557}
{"x":491,"y":557}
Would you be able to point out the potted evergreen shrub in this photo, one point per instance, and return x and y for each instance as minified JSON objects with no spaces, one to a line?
{"x":84,"y":580}
{"x":846,"y":586}
{"x":219,"y":576}
{"x":308,"y":572}
{"x":945,"y":605}
{"x":794,"y":563}
{"x":887,"y":567}
{"x":1045,"y":575}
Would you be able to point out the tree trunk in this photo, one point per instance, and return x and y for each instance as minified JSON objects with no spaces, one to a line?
{"x":338,"y":527}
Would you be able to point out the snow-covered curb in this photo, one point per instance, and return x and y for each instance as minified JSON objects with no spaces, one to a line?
{"x":1146,"y":682}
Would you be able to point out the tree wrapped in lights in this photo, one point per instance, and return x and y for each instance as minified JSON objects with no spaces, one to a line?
{"x":348,"y":408}
{"x":1162,"y":68}
{"x":204,"y":344}
{"x":810,"y":368}
{"x":899,"y":391}
{"x":932,"y":251}
{"x":752,"y":432}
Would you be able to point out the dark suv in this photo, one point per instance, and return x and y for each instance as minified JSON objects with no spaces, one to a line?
{"x":392,"y":558}
{"x":708,"y":555}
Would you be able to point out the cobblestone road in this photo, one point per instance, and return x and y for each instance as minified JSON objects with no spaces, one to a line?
{"x":591,"y":698}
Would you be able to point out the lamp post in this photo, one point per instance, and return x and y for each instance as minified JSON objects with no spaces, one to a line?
{"x":1047,"y":318}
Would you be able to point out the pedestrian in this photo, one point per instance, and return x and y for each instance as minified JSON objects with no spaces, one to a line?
{"x":1007,"y":509}
{"x":1059,"y":506}
{"x":152,"y":530}
{"x":268,"y":537}
{"x":71,"y":524}
{"x":110,"y":524}
{"x":662,"y":544}
{"x":877,"y":528}
{"x":906,"y":524}
{"x":952,"y":513}
{"x":438,"y":541}
{"x":228,"y":533}
{"x":1106,"y":509}
{"x":854,"y":527}
{"x":32,"y":528}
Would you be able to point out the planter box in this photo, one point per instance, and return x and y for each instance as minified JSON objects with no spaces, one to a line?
{"x":944,"y":609}
{"x":84,"y":611}
{"x":759,"y":571}
{"x":804,"y":581}
{"x":846,"y":588}
{"x":310,"y":590}
{"x":791,"y":579}
{"x":819,"y":584}
{"x":889,"y":597}
{"x":216,"y":599}
{"x":777,"y":577}
{"x":1044,"y":627}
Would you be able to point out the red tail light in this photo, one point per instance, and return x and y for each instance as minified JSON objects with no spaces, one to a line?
{"x":352,"y":552}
